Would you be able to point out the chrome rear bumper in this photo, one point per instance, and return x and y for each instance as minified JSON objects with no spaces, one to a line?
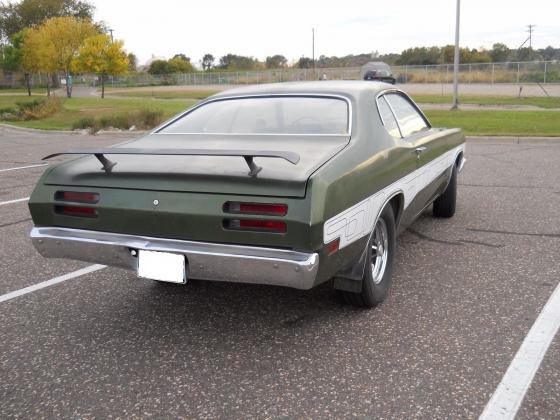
{"x":206,"y":261}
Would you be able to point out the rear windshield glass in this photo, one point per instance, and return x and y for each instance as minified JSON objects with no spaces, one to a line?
{"x":266,"y":115}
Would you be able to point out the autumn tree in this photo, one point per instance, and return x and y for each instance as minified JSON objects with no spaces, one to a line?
{"x":178,"y":64}
{"x":102,"y":56}
{"x":62,"y":38}
{"x":36,"y":55}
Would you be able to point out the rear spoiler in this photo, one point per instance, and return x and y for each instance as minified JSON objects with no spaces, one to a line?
{"x":248,"y":155}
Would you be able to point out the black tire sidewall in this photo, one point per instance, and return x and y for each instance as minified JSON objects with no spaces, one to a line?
{"x":446,"y":204}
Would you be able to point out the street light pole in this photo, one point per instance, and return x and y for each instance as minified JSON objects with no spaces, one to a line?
{"x":313,"y":49}
{"x":456,"y":60}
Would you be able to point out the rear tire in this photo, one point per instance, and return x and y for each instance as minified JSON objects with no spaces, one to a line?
{"x":379,"y":263}
{"x":446,"y":203}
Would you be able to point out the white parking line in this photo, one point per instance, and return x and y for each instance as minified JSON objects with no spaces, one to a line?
{"x":51,"y":282}
{"x":509,"y":394}
{"x":19,"y":200}
{"x":23,"y":167}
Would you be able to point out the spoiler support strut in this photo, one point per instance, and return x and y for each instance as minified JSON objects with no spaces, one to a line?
{"x":107,"y":164}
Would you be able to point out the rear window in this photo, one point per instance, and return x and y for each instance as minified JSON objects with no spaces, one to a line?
{"x":265,"y":115}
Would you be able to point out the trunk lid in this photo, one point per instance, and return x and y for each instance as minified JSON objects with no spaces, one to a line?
{"x":207,"y":174}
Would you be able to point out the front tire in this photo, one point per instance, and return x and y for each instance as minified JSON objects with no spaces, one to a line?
{"x":446,"y":203}
{"x":379,"y":263}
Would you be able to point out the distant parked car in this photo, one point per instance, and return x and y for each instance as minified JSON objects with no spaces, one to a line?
{"x":288,"y":184}
{"x":379,"y":71}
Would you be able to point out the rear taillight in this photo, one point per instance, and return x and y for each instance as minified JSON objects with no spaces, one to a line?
{"x":333,"y":246}
{"x":256,"y":225}
{"x":76,"y":211}
{"x":77,"y":197}
{"x":256,"y":208}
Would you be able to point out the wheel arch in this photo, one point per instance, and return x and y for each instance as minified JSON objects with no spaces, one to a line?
{"x":350,"y":278}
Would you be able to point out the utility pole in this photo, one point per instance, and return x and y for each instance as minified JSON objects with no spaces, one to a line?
{"x":456,"y":59}
{"x":530,"y":30}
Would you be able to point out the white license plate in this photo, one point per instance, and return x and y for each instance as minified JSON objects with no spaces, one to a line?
{"x":162,"y":266}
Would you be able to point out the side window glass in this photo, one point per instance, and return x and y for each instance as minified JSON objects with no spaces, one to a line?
{"x":388,"y":118}
{"x":408,"y":117}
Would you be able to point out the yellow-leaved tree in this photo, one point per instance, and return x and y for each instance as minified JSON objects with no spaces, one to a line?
{"x":102,"y":56}
{"x":36,"y":55}
{"x":60,"y":40}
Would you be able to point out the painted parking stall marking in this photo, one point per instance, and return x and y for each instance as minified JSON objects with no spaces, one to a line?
{"x":51,"y":282}
{"x":511,"y":391}
{"x":18,"y":200}
{"x":24,"y":167}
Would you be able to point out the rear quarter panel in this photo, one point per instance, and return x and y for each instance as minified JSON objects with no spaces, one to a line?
{"x":348,"y":193}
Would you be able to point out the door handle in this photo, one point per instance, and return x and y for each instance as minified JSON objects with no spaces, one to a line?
{"x":420,"y":150}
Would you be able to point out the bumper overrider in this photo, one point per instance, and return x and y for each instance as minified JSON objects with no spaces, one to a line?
{"x":205,"y":261}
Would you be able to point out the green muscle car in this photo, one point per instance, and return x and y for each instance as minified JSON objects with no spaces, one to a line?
{"x":287,"y":184}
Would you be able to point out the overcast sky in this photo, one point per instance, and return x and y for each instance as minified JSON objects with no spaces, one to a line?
{"x":266,"y":27}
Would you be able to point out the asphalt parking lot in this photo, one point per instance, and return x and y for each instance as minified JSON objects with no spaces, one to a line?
{"x":466,"y":291}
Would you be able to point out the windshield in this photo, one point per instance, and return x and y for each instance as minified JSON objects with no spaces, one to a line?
{"x":265,"y":115}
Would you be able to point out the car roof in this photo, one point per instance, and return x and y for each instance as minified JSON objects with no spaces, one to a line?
{"x":352,"y":89}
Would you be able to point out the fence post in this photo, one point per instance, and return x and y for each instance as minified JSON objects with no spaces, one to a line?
{"x":517,"y":73}
{"x":544,"y":76}
{"x":426,"y":74}
{"x":492,"y":73}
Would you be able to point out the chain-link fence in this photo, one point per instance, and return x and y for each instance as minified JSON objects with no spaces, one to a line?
{"x":515,"y":72}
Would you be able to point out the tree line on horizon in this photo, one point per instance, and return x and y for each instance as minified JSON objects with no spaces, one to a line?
{"x":31,"y":32}
{"x":411,"y":56}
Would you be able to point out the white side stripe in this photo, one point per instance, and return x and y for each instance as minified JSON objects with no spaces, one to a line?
{"x":19,"y":200}
{"x":509,"y":394}
{"x":357,"y":221}
{"x":23,"y":167}
{"x":51,"y":282}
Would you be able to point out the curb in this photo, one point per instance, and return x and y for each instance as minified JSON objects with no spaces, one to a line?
{"x":71,"y":132}
{"x":512,"y":139}
{"x":508,"y":139}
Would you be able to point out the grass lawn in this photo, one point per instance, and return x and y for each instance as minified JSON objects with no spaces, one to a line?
{"x":77,"y":108}
{"x":23,"y":92}
{"x":473,"y":122}
{"x":499,"y":123}
{"x":541,"y":102}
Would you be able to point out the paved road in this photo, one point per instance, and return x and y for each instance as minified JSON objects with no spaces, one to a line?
{"x":466,"y":291}
{"x":481,"y":89}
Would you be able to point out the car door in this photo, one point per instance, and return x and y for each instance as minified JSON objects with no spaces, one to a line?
{"x":424,"y":144}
